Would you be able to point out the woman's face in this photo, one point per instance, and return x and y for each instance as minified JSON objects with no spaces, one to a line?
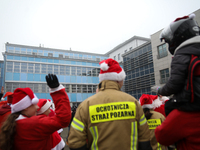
{"x":31,"y":110}
{"x":47,"y":112}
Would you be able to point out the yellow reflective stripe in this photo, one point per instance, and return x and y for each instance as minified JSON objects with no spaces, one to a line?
{"x":112,"y":111}
{"x":78,"y":125}
{"x":134,"y":135}
{"x":159,"y":147}
{"x":142,"y":120}
{"x":95,"y":135}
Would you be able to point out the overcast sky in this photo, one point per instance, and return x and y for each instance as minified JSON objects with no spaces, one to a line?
{"x":95,"y":26}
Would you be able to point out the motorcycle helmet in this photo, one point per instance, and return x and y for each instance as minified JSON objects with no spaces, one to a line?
{"x":179,"y":31}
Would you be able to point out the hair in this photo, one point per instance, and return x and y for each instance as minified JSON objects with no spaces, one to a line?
{"x":147,"y":113}
{"x":8,"y":130}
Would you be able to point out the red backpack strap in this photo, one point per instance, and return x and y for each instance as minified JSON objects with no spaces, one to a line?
{"x":194,"y":70}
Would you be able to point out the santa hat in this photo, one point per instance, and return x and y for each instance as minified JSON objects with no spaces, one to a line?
{"x":146,"y":101}
{"x":191,"y":16}
{"x":43,"y":104}
{"x":111,"y":70}
{"x":22,"y":99}
{"x":9,"y":96}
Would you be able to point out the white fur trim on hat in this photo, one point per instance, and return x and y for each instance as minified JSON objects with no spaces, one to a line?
{"x":23,"y":103}
{"x":44,"y":107}
{"x":112,"y":76}
{"x":157,"y":103}
{"x":150,"y":106}
{"x":191,"y":16}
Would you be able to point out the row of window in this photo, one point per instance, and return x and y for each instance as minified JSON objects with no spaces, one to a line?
{"x":140,"y":74}
{"x":53,"y":53}
{"x":43,"y":88}
{"x":140,"y":82}
{"x":73,"y":97}
{"x":22,"y":67}
{"x":41,"y":78}
{"x":140,"y":68}
{"x":45,"y":60}
{"x":138,"y":52}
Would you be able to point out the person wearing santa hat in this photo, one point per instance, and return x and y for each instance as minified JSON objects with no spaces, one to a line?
{"x":5,"y":109}
{"x":110,"y":119}
{"x":154,"y":119}
{"x":23,"y":130}
{"x":159,"y":103}
{"x":44,"y":109}
{"x":181,"y":125}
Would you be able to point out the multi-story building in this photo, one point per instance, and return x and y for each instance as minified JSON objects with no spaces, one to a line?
{"x":27,"y":66}
{"x":139,"y":68}
{"x":161,"y":56}
{"x":117,"y":52}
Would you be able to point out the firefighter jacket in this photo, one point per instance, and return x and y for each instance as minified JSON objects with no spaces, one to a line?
{"x":110,"y":119}
{"x":155,"y":120}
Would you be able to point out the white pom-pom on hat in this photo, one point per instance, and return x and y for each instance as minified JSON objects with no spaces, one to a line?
{"x":104,"y":66}
{"x":191,"y":16}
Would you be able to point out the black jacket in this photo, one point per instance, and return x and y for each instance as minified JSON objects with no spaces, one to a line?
{"x":178,"y":79}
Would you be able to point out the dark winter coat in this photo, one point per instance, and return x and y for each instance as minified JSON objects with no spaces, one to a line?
{"x":178,"y":79}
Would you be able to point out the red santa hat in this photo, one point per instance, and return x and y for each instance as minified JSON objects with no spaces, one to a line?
{"x":43,"y":105}
{"x":146,"y":101}
{"x":9,"y":96}
{"x":111,"y":70}
{"x":23,"y":98}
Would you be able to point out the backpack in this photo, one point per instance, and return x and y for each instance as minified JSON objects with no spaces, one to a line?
{"x":193,"y":70}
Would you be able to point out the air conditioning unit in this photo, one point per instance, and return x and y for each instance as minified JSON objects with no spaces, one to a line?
{"x":97,"y":59}
{"x":66,"y":56}
{"x":34,"y":53}
{"x":50,"y":54}
{"x":60,"y":56}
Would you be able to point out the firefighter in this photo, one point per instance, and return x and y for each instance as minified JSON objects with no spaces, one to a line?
{"x":110,"y":119}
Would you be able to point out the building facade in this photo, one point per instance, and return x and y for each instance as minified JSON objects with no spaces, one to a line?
{"x":139,"y":68}
{"x":117,"y":52}
{"x":27,"y":66}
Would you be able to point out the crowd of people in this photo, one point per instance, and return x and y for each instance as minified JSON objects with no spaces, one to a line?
{"x":112,"y":119}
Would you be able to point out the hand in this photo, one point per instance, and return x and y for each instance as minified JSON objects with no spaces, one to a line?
{"x":52,"y":81}
{"x":155,"y":89}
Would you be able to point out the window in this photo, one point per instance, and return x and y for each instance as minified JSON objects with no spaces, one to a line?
{"x":24,"y":67}
{"x":125,"y":51}
{"x":62,"y":70}
{"x":162,"y":51}
{"x":130,"y":48}
{"x":30,"y":68}
{"x":118,"y":56}
{"x":37,"y":68}
{"x":114,"y":57}
{"x":164,"y":75}
{"x":9,"y":67}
